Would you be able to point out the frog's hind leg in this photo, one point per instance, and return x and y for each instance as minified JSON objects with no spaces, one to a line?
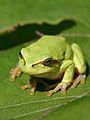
{"x":27,"y":86}
{"x":80,"y":79}
{"x":80,"y":65}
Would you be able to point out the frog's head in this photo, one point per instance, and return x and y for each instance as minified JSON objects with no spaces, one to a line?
{"x":37,"y":64}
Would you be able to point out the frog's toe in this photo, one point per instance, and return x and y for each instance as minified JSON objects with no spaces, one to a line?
{"x":11,"y":71}
{"x":25,"y":87}
{"x":32,"y":92}
{"x":12,"y":75}
{"x":49,"y":93}
{"x":82,"y":81}
{"x":63,"y":88}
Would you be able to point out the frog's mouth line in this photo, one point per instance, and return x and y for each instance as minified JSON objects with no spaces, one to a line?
{"x":37,"y":72}
{"x":42,"y":62}
{"x":47,"y":72}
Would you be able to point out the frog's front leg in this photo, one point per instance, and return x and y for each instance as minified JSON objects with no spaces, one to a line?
{"x":68,"y":69}
{"x":32,"y":84}
{"x":15,"y":72}
{"x":80,"y":65}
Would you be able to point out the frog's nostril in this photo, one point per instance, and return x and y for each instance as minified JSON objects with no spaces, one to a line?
{"x":32,"y":65}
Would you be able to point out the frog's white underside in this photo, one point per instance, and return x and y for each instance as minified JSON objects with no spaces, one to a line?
{"x":56,"y":76}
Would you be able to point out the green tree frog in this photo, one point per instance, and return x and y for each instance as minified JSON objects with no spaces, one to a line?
{"x":52,"y":58}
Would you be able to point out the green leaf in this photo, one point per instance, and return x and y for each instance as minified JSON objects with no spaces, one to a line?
{"x":31,"y":11}
{"x":76,"y":110}
{"x":16,"y":104}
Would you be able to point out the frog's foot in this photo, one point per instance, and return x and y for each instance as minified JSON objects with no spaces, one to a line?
{"x":31,"y":85}
{"x":15,"y":72}
{"x":63,"y":86}
{"x":80,"y":79}
{"x":32,"y":91}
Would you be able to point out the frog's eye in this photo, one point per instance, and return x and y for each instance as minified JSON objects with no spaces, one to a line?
{"x":47,"y":62}
{"x":20,"y":55}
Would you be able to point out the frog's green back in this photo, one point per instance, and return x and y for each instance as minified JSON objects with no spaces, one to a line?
{"x":47,"y":46}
